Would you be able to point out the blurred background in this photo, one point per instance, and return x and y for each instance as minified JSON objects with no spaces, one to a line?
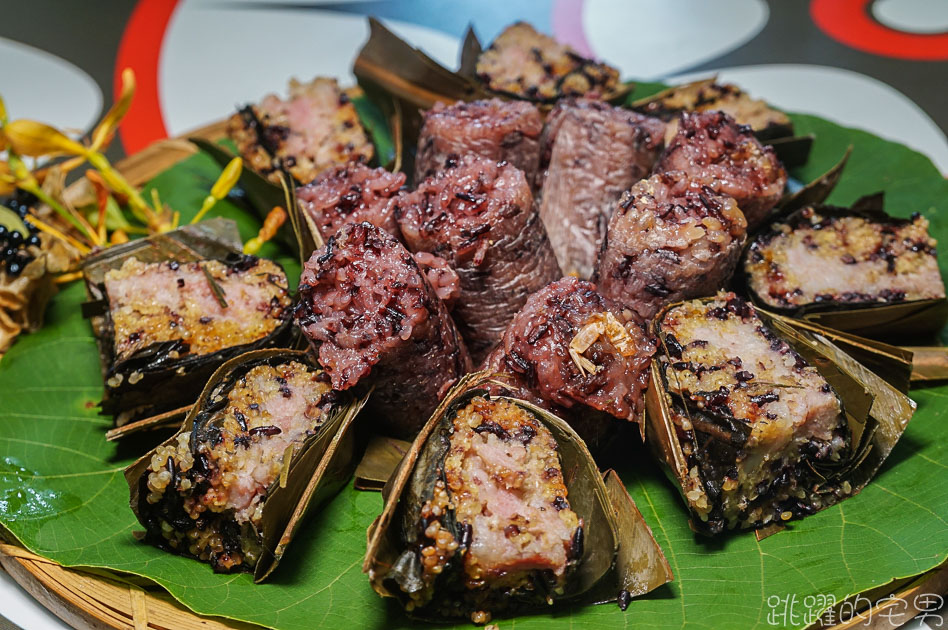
{"x":875,"y":64}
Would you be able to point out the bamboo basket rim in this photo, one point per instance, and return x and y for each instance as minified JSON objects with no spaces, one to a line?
{"x":108,"y":600}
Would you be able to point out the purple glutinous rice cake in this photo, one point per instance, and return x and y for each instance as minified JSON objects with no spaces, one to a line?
{"x":494,"y":129}
{"x":590,"y":153}
{"x":352,"y":193}
{"x":372,"y":316}
{"x":714,"y":151}
{"x":479,"y":215}
{"x":668,"y":240}
{"x":579,"y":355}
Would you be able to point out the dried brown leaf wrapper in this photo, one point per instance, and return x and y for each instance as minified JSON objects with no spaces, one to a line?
{"x":815,"y":192}
{"x":158,"y":422}
{"x":308,"y":236}
{"x":23,"y":299}
{"x":929,"y":363}
{"x":166,"y":382}
{"x":381,"y":458}
{"x":792,"y":151}
{"x":876,"y":412}
{"x":895,"y":364}
{"x":317,"y":469}
{"x":902,"y":321}
{"x":619,"y":552}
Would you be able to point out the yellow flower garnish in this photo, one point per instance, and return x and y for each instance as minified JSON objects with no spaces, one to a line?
{"x":226,"y":181}
{"x":28,"y":137}
{"x":104,"y":131}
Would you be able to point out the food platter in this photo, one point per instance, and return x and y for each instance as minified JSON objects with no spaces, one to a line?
{"x":108,"y":597}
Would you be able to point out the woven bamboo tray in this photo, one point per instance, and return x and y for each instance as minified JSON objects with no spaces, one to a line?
{"x":89,"y":601}
{"x":104,"y":600}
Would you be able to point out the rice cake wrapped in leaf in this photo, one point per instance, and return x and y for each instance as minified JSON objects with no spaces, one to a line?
{"x":170,"y":309}
{"x":759,"y":422}
{"x":498,"y":508}
{"x":268,"y":439}
{"x":709,"y":95}
{"x":855,"y":269}
{"x":315,"y":128}
{"x":526,"y":64}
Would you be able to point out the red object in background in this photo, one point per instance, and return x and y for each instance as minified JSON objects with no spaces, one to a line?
{"x":849,"y":22}
{"x":140,"y":50}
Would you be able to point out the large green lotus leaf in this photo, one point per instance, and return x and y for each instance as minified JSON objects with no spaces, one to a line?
{"x":62,"y":494}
